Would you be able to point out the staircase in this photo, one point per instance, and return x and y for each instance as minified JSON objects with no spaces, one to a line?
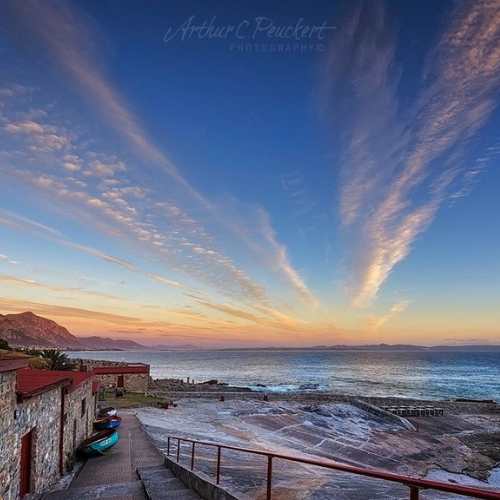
{"x":155,"y":483}
{"x":132,"y":470}
{"x":159,"y":482}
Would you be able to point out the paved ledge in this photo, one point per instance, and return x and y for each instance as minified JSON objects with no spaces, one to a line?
{"x":113,"y":475}
{"x":130,"y":490}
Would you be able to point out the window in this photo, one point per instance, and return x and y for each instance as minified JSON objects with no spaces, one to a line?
{"x":84,"y":406}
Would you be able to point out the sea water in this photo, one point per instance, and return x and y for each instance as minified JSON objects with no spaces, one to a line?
{"x":412,"y":374}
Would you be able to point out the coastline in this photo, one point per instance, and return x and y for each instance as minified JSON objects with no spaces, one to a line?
{"x":456,"y":443}
{"x":426,"y":376}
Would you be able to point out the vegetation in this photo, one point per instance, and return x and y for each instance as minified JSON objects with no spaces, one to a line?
{"x":4,"y":345}
{"x":54,"y":359}
{"x":42,"y":359}
{"x":131,"y":400}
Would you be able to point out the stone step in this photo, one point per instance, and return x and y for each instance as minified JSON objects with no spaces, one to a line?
{"x":160,"y":483}
{"x":130,"y":490}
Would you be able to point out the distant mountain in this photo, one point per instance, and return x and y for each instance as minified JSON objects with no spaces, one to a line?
{"x":106,"y":343}
{"x":29,"y":330}
{"x":171,"y":347}
{"x":375,"y":347}
{"x":410,"y":347}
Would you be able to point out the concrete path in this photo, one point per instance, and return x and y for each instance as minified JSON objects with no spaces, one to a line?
{"x":113,"y":476}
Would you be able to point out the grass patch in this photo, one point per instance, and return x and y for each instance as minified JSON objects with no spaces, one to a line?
{"x":130,"y":400}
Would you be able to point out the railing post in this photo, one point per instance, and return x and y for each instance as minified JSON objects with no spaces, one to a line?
{"x":168,"y":446}
{"x":414,"y":493}
{"x":269,"y":476}
{"x":178,"y":448}
{"x":192,"y":457}
{"x":218,"y":465}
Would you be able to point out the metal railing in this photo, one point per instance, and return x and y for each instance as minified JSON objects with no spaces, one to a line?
{"x":414,"y":484}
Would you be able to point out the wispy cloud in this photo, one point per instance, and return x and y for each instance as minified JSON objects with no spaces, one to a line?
{"x":67,"y":35}
{"x":4,"y":258}
{"x":162,"y":228}
{"x":376,"y":322}
{"x":161,"y":279}
{"x":57,"y":311}
{"x":399,"y":165}
{"x":44,"y":138}
{"x":14,"y":90}
{"x":271,"y":319}
{"x":30,"y":283}
{"x":19,"y":222}
{"x":282,"y":261}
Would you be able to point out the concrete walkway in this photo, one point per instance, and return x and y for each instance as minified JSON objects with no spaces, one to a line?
{"x":113,"y":476}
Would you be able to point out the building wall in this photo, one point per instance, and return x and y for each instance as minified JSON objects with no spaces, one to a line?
{"x":42,"y":415}
{"x":77,"y":427}
{"x":133,"y":382}
{"x":7,"y":434}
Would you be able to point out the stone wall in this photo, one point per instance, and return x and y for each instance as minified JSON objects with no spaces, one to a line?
{"x":132,"y":382}
{"x":92,"y":363}
{"x":7,"y":435}
{"x":42,"y":415}
{"x":449,"y":406}
{"x":77,"y":427}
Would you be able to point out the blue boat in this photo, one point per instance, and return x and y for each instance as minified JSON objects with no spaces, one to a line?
{"x":99,"y":443}
{"x":107,"y":423}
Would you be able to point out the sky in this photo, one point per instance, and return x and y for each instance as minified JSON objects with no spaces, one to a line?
{"x":243,"y":174}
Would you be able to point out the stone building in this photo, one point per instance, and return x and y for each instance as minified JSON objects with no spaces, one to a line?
{"x":79,"y":400}
{"x":44,"y":415}
{"x":8,"y":437}
{"x":130,"y":377}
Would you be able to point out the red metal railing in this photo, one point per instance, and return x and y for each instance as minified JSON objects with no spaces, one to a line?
{"x":414,"y":484}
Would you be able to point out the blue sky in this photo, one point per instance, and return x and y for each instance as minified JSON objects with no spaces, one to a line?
{"x":315,"y":174}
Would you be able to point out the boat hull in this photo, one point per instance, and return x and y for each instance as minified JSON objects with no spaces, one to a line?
{"x":107,"y":412}
{"x":107,"y":423}
{"x":98,"y":444}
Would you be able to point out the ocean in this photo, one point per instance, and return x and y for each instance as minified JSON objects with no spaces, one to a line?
{"x":411,"y":374}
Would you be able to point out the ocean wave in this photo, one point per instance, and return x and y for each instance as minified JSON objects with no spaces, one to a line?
{"x":281,"y":388}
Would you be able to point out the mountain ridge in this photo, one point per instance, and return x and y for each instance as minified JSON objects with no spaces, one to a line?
{"x":27,"y":329}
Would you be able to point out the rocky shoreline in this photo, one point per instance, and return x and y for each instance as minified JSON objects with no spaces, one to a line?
{"x":180,"y":388}
{"x":460,"y":446}
{"x":169,"y":385}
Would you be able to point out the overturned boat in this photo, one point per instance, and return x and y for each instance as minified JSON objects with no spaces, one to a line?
{"x":99,"y":443}
{"x":107,"y":412}
{"x":112,"y":422}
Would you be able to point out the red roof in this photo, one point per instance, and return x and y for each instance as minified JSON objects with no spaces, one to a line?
{"x":76,"y":377}
{"x":31,"y":382}
{"x":109,"y":370}
{"x":9,"y":365}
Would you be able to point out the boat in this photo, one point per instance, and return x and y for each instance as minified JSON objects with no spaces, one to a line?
{"x":99,"y":443}
{"x":107,"y":423}
{"x":107,"y":412}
